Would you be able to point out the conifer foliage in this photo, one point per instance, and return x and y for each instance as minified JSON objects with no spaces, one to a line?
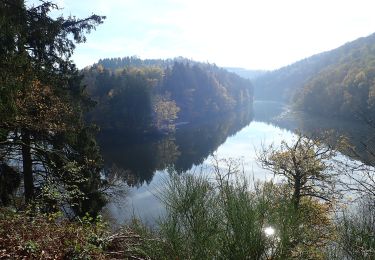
{"x":42,"y":134}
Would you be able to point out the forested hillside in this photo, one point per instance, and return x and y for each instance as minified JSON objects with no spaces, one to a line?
{"x":346,"y":88}
{"x":281,"y":84}
{"x":147,"y":95}
{"x":245,"y":73}
{"x":334,"y":83}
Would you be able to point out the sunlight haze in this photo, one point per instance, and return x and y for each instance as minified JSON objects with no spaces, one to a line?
{"x":250,"y":34}
{"x":186,"y":129}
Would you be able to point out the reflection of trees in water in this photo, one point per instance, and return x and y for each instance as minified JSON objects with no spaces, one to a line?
{"x":135,"y":159}
{"x":198,"y":141}
{"x":357,"y":133}
{"x":139,"y":157}
{"x":360,"y":136}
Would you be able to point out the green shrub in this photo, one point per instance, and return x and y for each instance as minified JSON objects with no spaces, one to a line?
{"x":225,"y":218}
{"x":218,"y":217}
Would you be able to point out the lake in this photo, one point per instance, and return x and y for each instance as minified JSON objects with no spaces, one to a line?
{"x":141,"y":164}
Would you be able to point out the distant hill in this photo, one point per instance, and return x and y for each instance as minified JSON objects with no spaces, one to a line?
{"x":146,"y":95}
{"x":282,"y":84}
{"x":340,"y":82}
{"x":245,"y":73}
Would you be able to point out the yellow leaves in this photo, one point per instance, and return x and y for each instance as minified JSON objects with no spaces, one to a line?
{"x":165,"y":112}
{"x":39,"y":108}
{"x":360,"y":77}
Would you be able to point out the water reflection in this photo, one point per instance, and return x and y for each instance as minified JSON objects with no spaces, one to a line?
{"x":140,"y":157}
{"x":359,"y":134}
{"x":143,"y":161}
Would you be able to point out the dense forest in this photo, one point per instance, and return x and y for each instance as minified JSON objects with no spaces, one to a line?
{"x":147,"y":95}
{"x":134,"y":61}
{"x":334,"y":83}
{"x":53,"y":182}
{"x":346,"y":88}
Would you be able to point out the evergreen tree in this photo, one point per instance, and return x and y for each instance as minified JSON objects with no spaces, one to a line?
{"x":42,"y":99}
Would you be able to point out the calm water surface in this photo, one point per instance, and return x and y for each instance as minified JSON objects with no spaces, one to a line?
{"x":142,"y":164}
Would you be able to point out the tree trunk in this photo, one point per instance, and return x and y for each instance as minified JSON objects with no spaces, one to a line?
{"x":297,"y":191}
{"x":27,"y":166}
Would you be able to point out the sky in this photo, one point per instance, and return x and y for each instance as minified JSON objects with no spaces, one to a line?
{"x":252,"y":34}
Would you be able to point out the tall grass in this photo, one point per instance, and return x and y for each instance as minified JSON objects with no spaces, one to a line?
{"x":192,"y":224}
{"x":223,"y":216}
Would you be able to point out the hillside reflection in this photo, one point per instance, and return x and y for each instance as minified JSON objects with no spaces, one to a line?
{"x":137,"y":158}
{"x":360,"y":135}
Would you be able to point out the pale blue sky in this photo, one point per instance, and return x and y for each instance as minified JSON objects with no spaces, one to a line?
{"x":254,"y":34}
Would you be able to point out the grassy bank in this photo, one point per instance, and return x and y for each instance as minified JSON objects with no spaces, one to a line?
{"x":221,"y":217}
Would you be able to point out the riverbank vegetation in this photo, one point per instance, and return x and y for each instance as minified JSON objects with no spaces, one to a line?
{"x":53,"y":185}
{"x":219,"y":213}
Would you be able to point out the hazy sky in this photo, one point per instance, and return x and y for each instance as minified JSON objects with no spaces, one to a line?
{"x":254,"y":34}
